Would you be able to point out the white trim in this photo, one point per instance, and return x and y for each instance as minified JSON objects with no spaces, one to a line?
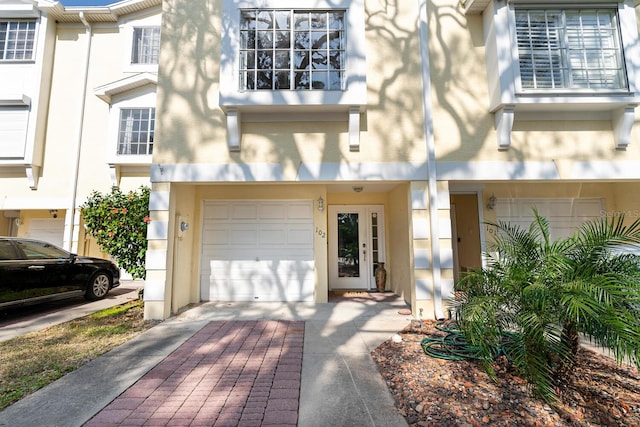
{"x":158,"y":230}
{"x":17,"y":204}
{"x":107,"y":91}
{"x":159,"y":200}
{"x":534,"y":170}
{"x":423,"y":289}
{"x":307,"y":172}
{"x":421,"y":259}
{"x":154,"y":290}
{"x":432,"y":175}
{"x":496,"y":170}
{"x":156,"y":260}
{"x":14,"y":99}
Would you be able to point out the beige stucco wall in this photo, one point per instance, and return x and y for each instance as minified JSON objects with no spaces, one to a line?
{"x":192,"y":127}
{"x":463,"y":126}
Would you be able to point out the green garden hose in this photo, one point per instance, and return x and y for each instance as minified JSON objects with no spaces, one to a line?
{"x":453,"y":345}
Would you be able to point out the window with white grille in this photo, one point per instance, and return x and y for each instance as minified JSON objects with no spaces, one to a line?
{"x":17,"y":39}
{"x":570,"y":49}
{"x":292,"y":49}
{"x":135,"y":134}
{"x":146,"y":45}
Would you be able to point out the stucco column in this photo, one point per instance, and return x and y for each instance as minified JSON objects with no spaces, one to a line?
{"x":157,"y":286}
{"x":432,"y":259}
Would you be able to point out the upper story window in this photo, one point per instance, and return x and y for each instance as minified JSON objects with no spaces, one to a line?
{"x":569,"y":49}
{"x":17,"y":39}
{"x":135,"y":134}
{"x":292,"y":49}
{"x":568,"y":60}
{"x":146,"y":45}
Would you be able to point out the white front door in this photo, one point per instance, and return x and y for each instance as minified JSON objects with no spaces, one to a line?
{"x":356,"y":245}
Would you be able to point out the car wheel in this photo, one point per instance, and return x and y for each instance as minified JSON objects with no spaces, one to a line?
{"x":98,"y":287}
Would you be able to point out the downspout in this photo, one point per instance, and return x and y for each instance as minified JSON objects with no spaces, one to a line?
{"x":432,"y":183}
{"x":69,"y":218}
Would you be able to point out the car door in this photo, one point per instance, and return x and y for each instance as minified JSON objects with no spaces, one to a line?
{"x":48,"y":268}
{"x":13,"y":271}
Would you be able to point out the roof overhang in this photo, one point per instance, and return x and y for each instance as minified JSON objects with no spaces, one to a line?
{"x":109,"y":90}
{"x":109,"y":13}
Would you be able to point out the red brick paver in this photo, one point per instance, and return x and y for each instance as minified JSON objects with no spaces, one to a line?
{"x":230,"y":373}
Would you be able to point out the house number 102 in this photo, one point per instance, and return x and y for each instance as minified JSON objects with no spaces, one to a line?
{"x":321,"y":233}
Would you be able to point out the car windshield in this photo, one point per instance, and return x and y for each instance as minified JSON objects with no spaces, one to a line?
{"x":39,"y":250}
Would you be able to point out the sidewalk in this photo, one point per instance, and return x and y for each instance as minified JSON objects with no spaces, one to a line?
{"x":339,"y":382}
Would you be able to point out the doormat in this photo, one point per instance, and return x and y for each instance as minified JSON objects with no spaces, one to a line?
{"x":350,"y":293}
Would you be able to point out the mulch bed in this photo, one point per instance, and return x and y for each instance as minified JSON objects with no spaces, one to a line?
{"x":436,"y":392}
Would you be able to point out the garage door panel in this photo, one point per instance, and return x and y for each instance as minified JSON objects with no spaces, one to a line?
{"x":241,"y":211}
{"x":258,"y":250}
{"x":216,"y":211}
{"x":302,"y":211}
{"x":272,"y":211}
{"x":246,"y":281}
{"x":564,"y":215}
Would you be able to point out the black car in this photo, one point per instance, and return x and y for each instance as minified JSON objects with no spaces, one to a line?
{"x":33,"y":271}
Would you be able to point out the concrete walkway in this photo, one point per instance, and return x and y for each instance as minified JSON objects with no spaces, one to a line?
{"x":339,"y":383}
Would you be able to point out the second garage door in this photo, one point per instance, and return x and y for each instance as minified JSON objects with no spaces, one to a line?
{"x":564,"y":214}
{"x":257,"y":251}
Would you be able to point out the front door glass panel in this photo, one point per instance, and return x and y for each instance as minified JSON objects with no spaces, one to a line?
{"x":348,"y":245}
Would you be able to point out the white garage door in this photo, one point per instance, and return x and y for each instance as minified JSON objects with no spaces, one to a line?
{"x":257,"y":251}
{"x":564,"y":214}
{"x":49,"y":230}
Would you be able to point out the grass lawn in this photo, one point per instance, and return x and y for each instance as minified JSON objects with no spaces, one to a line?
{"x":31,"y":361}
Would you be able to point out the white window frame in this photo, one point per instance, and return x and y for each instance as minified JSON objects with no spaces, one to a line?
{"x":287,"y":71}
{"x":563,"y":48}
{"x":143,"y":96}
{"x":509,"y":101}
{"x":142,"y":57}
{"x":354,"y":93}
{"x":291,"y":105}
{"x":128,"y":133}
{"x":32,"y":30}
{"x":127,"y":29}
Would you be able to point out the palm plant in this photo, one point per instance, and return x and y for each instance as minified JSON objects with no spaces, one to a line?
{"x":535,"y":296}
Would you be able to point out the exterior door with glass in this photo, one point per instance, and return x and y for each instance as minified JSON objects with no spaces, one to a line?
{"x":356,"y":245}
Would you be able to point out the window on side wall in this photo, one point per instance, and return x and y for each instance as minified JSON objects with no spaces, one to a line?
{"x":292,"y":49}
{"x":135,"y":134}
{"x":146,"y":45}
{"x":17,"y":39}
{"x":570,"y":49}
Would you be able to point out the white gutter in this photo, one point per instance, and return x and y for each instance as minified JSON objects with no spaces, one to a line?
{"x":70,"y":217}
{"x":431,"y":160}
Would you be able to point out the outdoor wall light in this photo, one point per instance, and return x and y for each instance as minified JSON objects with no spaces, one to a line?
{"x":320,"y":204}
{"x":54,"y":212}
{"x":492,"y":202}
{"x":18,"y":222}
{"x":358,"y":189}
